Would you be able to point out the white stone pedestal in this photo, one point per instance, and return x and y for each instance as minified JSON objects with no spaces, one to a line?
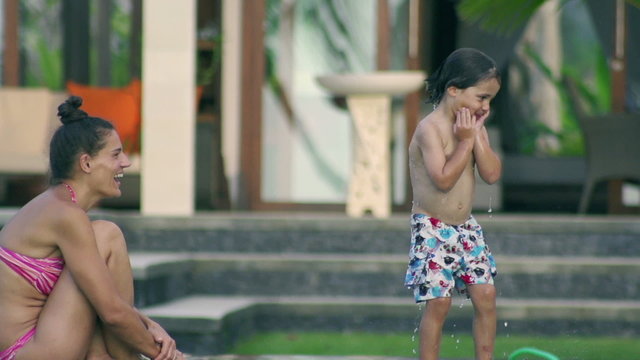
{"x":369,"y":101}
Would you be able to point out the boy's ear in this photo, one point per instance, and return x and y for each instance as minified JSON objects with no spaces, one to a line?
{"x":452,"y":91}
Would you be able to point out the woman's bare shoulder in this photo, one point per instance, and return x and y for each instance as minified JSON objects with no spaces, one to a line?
{"x":63,"y":212}
{"x":38,"y":227}
{"x":106,"y":226}
{"x":61,"y":219}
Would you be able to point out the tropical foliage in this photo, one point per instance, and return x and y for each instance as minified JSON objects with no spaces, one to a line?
{"x":41,"y":43}
{"x":504,"y":16}
{"x":584,"y":61}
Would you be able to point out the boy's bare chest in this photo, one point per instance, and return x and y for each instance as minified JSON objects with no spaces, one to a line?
{"x":449,"y":143}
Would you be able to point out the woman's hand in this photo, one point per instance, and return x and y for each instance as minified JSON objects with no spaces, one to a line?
{"x":166,"y":344}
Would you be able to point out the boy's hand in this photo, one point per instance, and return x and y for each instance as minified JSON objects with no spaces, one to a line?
{"x":482,"y":119}
{"x":465,"y":125}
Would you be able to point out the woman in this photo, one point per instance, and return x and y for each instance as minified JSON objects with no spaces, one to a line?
{"x":74,"y":268}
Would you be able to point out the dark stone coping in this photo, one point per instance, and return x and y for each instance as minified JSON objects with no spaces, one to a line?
{"x":260,"y":221}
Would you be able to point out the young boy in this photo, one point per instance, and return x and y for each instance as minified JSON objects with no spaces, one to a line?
{"x":447,"y":244}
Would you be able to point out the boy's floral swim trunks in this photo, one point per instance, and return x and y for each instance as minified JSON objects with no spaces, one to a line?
{"x":445,"y":256}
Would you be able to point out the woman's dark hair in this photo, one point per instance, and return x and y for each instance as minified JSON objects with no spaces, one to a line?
{"x":463,"y":68}
{"x":79,"y":133}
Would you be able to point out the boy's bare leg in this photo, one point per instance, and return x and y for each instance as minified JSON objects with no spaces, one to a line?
{"x":435,"y":313}
{"x":113,"y":248}
{"x":483,"y":297}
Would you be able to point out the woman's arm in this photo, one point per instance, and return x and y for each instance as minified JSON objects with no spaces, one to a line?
{"x":161,"y":337}
{"x":79,"y":249}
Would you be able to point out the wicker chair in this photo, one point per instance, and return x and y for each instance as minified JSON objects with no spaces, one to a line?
{"x":612,"y":145}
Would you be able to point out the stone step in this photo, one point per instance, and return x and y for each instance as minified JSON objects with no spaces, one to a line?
{"x":211,"y":324}
{"x":522,"y":235}
{"x":304,"y":232}
{"x":164,"y":276}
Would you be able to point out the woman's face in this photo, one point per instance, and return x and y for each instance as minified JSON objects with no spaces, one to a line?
{"x":476,"y":98}
{"x":107,"y":167}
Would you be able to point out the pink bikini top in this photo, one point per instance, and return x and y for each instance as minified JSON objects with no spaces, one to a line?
{"x":41,"y":273}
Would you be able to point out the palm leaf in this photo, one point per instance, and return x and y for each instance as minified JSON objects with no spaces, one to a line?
{"x":504,"y":16}
{"x":635,"y":3}
{"x":500,"y":16}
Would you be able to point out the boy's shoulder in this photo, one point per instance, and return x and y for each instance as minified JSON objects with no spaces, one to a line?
{"x":432,"y":123}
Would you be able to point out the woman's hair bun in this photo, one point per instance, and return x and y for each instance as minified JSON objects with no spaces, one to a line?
{"x":69,"y":111}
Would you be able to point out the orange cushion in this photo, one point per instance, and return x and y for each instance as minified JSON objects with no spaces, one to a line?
{"x":121,"y":106}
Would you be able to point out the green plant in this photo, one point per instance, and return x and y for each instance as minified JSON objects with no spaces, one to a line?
{"x":50,"y":60}
{"x":595,"y":94}
{"x":121,"y":55}
{"x":505,"y":16}
{"x":40,"y":46}
{"x":584,"y":62}
{"x":208,"y":62}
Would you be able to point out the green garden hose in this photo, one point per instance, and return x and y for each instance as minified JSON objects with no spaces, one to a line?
{"x":532,"y":351}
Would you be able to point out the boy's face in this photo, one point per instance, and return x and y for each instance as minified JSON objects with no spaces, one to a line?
{"x":476,"y":98}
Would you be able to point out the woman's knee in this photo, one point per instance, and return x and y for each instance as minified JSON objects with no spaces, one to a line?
{"x":113,"y":248}
{"x":109,"y":238}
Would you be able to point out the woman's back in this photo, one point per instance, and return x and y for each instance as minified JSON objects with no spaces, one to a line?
{"x":30,"y":263}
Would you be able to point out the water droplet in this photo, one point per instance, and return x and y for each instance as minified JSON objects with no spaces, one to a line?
{"x":457,"y":341}
{"x":417,"y":324}
{"x":490,"y":207}
{"x":506,"y":323}
{"x":453,"y":335}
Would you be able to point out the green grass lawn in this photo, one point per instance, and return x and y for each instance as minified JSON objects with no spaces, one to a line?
{"x":458,"y":346}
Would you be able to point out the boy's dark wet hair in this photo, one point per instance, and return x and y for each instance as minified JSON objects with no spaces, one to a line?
{"x":79,"y":134}
{"x":463,"y":68}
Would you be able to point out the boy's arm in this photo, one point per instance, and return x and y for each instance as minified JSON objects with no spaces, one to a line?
{"x":487,"y":161}
{"x":445,"y":172}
